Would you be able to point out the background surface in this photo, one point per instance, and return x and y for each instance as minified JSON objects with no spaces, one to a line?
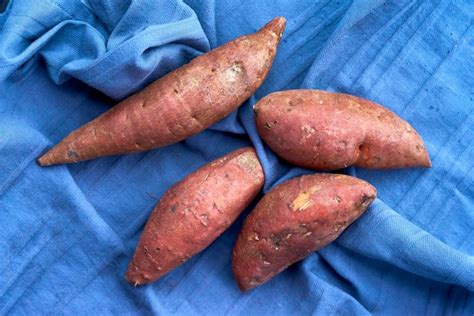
{"x":68,"y":232}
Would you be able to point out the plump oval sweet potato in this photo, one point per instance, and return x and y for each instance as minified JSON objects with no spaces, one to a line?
{"x":297,"y":217}
{"x":328,"y":131}
{"x":180,"y":104}
{"x":194,"y":212}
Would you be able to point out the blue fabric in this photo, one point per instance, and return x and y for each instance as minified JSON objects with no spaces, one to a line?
{"x":68,"y":232}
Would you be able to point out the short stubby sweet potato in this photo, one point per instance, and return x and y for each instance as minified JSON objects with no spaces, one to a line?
{"x":194,"y":212}
{"x":297,"y":217}
{"x":328,"y":131}
{"x":180,"y":104}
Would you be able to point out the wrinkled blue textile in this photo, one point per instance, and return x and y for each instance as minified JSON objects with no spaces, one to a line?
{"x":67,"y":232}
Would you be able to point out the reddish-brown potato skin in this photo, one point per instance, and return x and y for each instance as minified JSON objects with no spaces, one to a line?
{"x":298,"y":217}
{"x":328,"y":131}
{"x":180,"y":104}
{"x":194,"y":212}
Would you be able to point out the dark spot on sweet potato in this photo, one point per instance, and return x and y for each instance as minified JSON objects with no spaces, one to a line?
{"x":255,"y":281}
{"x":173,"y":208}
{"x":215,"y":207}
{"x":213,"y":70}
{"x":72,"y":154}
{"x":276,"y":241}
{"x":365,"y":200}
{"x":338,"y":199}
{"x":176,"y":91}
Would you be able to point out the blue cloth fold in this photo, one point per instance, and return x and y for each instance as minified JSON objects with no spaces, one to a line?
{"x":68,"y":232}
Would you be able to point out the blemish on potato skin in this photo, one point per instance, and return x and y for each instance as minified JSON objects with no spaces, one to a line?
{"x":270,"y":125}
{"x":231,"y":74}
{"x":204,"y":219}
{"x":215,"y":207}
{"x":303,"y":200}
{"x":343,"y":144}
{"x":72,"y":154}
{"x":250,"y":163}
{"x":254,"y":282}
{"x":365,"y":200}
{"x":254,"y":236}
{"x":276,"y":241}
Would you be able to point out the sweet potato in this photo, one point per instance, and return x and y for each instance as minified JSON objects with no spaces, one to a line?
{"x":194,"y":212}
{"x":327,"y":131}
{"x":300,"y":216}
{"x":180,"y":104}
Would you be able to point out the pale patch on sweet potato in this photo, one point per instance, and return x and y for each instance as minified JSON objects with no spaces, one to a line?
{"x":303,"y":200}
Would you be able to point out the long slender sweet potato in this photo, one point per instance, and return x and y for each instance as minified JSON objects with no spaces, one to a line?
{"x":297,"y":217}
{"x":194,"y":212}
{"x":328,"y":131}
{"x":179,"y":105}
